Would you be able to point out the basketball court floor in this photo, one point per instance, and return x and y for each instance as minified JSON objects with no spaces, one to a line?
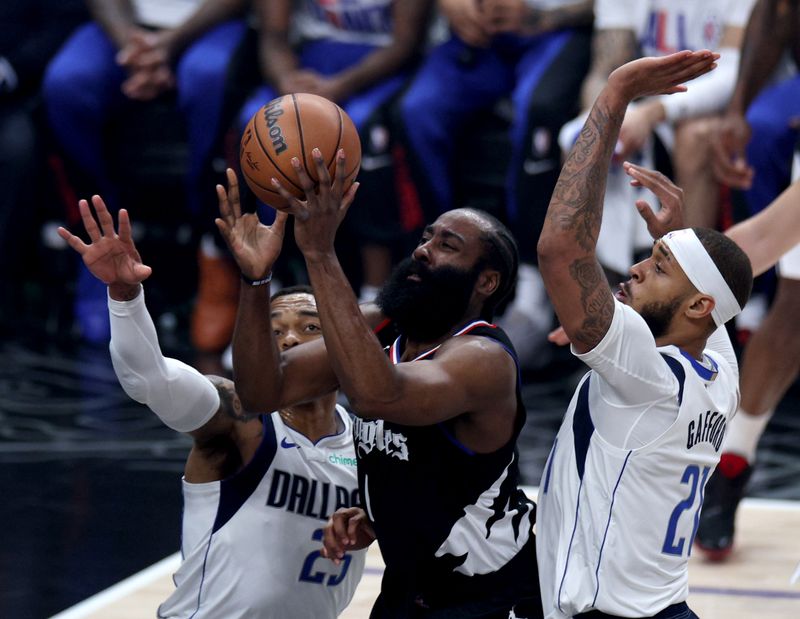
{"x":91,"y":495}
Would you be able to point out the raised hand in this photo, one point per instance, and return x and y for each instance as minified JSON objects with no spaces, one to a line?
{"x":318,"y":216}
{"x":664,"y":75}
{"x":254,"y":246}
{"x":670,"y":217}
{"x":111,"y":256}
{"x":347,"y":529}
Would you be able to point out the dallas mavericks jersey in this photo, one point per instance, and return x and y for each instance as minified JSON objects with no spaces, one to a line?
{"x":367,"y":22}
{"x":251,"y":542}
{"x":615,"y":526}
{"x":453,"y":526}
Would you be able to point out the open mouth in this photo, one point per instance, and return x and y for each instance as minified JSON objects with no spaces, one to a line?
{"x":623,"y":292}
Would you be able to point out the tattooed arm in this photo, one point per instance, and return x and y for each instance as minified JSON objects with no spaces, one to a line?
{"x":567,"y":259}
{"x":227,"y":441}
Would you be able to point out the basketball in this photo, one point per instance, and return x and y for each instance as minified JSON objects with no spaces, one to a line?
{"x":292,"y":126}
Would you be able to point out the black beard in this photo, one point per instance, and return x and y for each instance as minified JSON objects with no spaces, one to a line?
{"x":658,"y":316}
{"x":428,"y":309}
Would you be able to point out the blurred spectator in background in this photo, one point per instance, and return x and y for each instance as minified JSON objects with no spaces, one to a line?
{"x":357,"y":53}
{"x":753,"y":150}
{"x":136,"y":50}
{"x":31,"y":31}
{"x":624,"y":30}
{"x":536,"y":52}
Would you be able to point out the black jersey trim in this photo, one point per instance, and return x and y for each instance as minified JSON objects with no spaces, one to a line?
{"x":236,"y":489}
{"x":680,"y":374}
{"x":582,"y":427}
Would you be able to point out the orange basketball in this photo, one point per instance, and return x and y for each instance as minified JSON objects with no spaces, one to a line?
{"x":292,"y":126}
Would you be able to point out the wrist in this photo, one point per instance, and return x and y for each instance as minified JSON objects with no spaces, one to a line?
{"x":614,"y":100}
{"x":317,"y":256}
{"x":261,"y":281}
{"x":123,"y":292}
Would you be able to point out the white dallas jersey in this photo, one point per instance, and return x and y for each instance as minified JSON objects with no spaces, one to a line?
{"x":617,"y":513}
{"x":666,"y":26}
{"x":367,"y":22}
{"x":251,"y":542}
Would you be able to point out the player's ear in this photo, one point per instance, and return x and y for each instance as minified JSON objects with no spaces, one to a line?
{"x":488,"y":282}
{"x":700,"y":305}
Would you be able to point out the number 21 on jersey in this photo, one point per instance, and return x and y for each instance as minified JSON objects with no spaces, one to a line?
{"x":696,"y":480}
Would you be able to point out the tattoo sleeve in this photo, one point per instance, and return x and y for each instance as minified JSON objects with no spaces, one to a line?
{"x":574,"y":278}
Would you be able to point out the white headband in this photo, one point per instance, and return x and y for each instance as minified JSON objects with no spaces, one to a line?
{"x":702,"y":272}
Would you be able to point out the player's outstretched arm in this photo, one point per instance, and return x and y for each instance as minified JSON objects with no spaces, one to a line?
{"x":266,"y":379}
{"x":573,"y":277}
{"x":181,"y":397}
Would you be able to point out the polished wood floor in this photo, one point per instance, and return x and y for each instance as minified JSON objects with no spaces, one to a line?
{"x":754,"y":582}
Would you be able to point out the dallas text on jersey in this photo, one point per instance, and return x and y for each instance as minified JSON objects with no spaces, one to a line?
{"x":308,"y":497}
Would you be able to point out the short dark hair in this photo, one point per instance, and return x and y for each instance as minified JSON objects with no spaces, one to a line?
{"x":732,"y":262}
{"x":500,"y":254}
{"x":289,"y":290}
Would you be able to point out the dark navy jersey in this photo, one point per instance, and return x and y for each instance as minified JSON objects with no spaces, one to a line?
{"x":454,"y":528}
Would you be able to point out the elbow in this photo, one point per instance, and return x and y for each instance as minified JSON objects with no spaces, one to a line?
{"x":553,"y":260}
{"x":547,"y":252}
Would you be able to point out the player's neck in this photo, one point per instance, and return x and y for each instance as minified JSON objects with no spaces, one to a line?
{"x":692,"y":346}
{"x":415,"y":348}
{"x":314,"y":420}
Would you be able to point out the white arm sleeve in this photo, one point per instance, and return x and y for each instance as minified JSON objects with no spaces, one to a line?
{"x":183,"y":399}
{"x":707,"y":94}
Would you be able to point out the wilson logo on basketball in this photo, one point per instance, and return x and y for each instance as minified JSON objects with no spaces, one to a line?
{"x":271,"y":115}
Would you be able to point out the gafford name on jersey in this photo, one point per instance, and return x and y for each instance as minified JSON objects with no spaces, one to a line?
{"x":710,"y":427}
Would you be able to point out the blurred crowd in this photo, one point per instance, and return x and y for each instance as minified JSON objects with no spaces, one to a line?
{"x":457,"y":102}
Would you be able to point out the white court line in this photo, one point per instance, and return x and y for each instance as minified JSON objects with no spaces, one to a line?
{"x":171,"y":563}
{"x":125,"y":587}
